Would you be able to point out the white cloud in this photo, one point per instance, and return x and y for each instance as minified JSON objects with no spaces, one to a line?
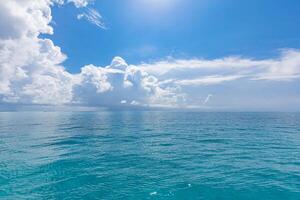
{"x":24,"y":19}
{"x":77,"y":3}
{"x":135,"y":103}
{"x":207,"y":99}
{"x":208,"y":80}
{"x":80,"y":3}
{"x":92,"y":16}
{"x":286,"y":66}
{"x":123,"y":102}
{"x":117,"y":84}
{"x":31,"y":69}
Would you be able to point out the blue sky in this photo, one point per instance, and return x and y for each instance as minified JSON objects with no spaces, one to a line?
{"x":185,"y":29}
{"x":234,"y":55}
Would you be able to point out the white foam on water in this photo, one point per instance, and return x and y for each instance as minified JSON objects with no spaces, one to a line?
{"x":153,"y":193}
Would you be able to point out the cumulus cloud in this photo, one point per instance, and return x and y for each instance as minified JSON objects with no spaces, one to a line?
{"x":120,"y":83}
{"x":31,"y":69}
{"x":24,"y":19}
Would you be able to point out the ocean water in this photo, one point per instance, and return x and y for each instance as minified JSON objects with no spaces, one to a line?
{"x":149,"y":155}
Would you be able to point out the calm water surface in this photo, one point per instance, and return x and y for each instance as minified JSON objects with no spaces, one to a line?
{"x":149,"y":155}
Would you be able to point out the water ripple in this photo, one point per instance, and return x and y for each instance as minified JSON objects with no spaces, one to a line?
{"x":149,"y":155}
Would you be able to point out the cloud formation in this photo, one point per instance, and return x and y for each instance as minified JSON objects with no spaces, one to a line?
{"x":120,"y":84}
{"x":80,"y":3}
{"x":285,"y":67}
{"x":92,"y":16}
{"x":207,"y":99}
{"x":31,"y":69}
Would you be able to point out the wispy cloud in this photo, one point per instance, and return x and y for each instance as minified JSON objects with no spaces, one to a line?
{"x":208,"y":80}
{"x":204,"y":71}
{"x":207,"y":99}
{"x":80,"y":3}
{"x":92,"y":16}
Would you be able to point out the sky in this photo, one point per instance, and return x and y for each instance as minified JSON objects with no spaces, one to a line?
{"x":193,"y":54}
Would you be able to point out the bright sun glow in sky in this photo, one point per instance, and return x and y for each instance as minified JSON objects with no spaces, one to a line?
{"x":160,"y":4}
{"x":153,"y":7}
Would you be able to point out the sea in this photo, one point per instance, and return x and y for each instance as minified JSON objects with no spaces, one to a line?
{"x":138,"y":155}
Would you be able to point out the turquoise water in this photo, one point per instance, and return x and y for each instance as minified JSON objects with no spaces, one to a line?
{"x":149,"y":155}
